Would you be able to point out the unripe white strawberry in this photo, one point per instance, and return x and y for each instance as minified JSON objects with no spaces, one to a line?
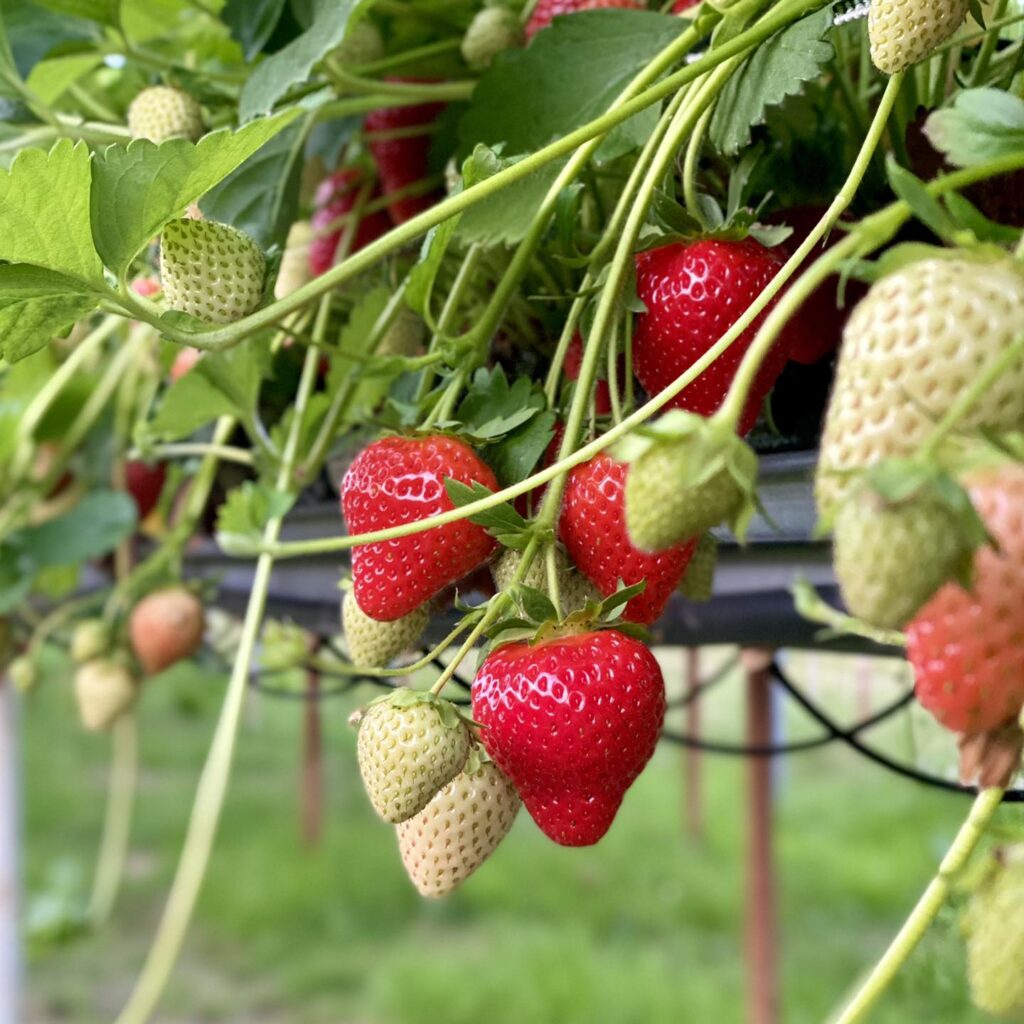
{"x":918,"y":338}
{"x":459,"y":829}
{"x":374,"y":644}
{"x":161,"y":113}
{"x":91,"y":639}
{"x":903,"y":32}
{"x":410,"y":745}
{"x":294,"y":270}
{"x":211,"y":271}
{"x":362,"y":44}
{"x":575,"y":591}
{"x":492,"y":30}
{"x":104,"y":690}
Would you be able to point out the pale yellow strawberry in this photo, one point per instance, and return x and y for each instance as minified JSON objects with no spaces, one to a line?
{"x":375,"y":644}
{"x":160,"y":113}
{"x":104,"y":690}
{"x":91,"y":639}
{"x":904,"y":32}
{"x":294,"y":271}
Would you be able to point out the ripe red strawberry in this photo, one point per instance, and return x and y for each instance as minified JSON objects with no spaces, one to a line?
{"x":967,"y":647}
{"x":166,"y":627}
{"x":335,"y":196}
{"x":403,"y":161}
{"x":144,"y":483}
{"x":694,"y":292}
{"x":547,"y":10}
{"x":572,"y":722}
{"x":817,"y":326}
{"x":593,"y":530}
{"x":401,"y":480}
{"x":602,"y":391}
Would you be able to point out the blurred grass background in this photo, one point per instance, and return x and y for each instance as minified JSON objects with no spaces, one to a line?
{"x":645,"y":928}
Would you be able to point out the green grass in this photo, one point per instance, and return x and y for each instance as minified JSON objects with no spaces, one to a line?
{"x":645,"y":928}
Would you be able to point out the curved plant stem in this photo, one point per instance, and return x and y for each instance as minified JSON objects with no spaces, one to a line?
{"x":118,"y":821}
{"x":184,"y":449}
{"x":213,"y":782}
{"x":690,"y":163}
{"x":927,"y":908}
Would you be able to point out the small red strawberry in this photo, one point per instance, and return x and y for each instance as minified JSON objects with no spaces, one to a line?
{"x":572,"y":721}
{"x":403,"y":160}
{"x":602,"y":391}
{"x":547,"y":10}
{"x":144,"y":482}
{"x":335,"y":196}
{"x":166,"y":627}
{"x":694,"y":292}
{"x":967,"y":647}
{"x":401,"y":480}
{"x":593,"y":530}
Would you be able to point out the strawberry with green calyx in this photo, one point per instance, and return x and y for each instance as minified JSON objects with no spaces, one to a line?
{"x":575,"y":591}
{"x":993,"y":925}
{"x":91,"y":639}
{"x":910,"y":348}
{"x":460,"y":828}
{"x":398,"y":480}
{"x":104,"y":690}
{"x":492,"y":30}
{"x":966,"y":647}
{"x":410,"y":745}
{"x":905,"y":32}
{"x":698,"y":582}
{"x":375,"y":644}
{"x":593,"y":529}
{"x":904,"y":531}
{"x":571,"y":717}
{"x":686,"y":475}
{"x":161,"y":112}
{"x":166,"y":627}
{"x":210,"y":271}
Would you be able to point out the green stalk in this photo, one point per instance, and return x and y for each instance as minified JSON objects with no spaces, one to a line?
{"x":927,"y":909}
{"x":213,"y":782}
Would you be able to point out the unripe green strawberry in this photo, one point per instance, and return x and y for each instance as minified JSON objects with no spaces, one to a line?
{"x":459,"y":829}
{"x":903,"y":32}
{"x":698,"y":582}
{"x":410,"y":745}
{"x":294,"y":271}
{"x":375,"y":644}
{"x":405,"y":336}
{"x":911,"y":346}
{"x":91,"y":639}
{"x":211,"y":271}
{"x":575,"y":591}
{"x":896,"y":542}
{"x":994,"y":925}
{"x":492,"y":30}
{"x":362,"y":44}
{"x":686,"y":475}
{"x":161,"y":113}
{"x":104,"y":690}
{"x":283,"y":645}
{"x":23,"y":673}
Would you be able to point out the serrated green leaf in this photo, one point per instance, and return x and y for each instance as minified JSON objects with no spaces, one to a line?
{"x":137,"y":189}
{"x":514,"y":456}
{"x":95,"y":526}
{"x":33,"y":32}
{"x":501,"y":520}
{"x":492,"y":407}
{"x":261,"y":196}
{"x":188,"y":404}
{"x":238,"y":372}
{"x":777,"y":69}
{"x":424,"y":274}
{"x":242,"y":519}
{"x":617,"y":601}
{"x":536,"y":605}
{"x":36,"y":305}
{"x":982,"y":125}
{"x":292,"y":64}
{"x":50,"y":79}
{"x":44,"y":212}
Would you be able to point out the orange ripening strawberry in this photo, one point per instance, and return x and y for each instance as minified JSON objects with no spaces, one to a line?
{"x":967,"y":647}
{"x":399,"y":480}
{"x":547,"y":10}
{"x":593,"y":529}
{"x":166,"y":627}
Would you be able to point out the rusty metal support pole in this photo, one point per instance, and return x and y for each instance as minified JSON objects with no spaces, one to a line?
{"x":693,"y":810}
{"x":10,"y":820}
{"x":761,"y":922}
{"x":312,"y":796}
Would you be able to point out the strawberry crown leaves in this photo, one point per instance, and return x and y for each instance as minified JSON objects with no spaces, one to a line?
{"x":493,"y":408}
{"x":404,"y":698}
{"x":502,"y":522}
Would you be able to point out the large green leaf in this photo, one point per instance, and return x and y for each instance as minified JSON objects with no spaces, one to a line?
{"x":982,"y":125}
{"x":251,"y":22}
{"x":190,"y":403}
{"x":262,"y":195}
{"x":293,"y":63}
{"x":138,"y":188}
{"x":103,"y":11}
{"x":35,"y":305}
{"x":777,"y":69}
{"x":44,"y":211}
{"x":100,"y":521}
{"x":567,"y":76}
{"x":50,"y":78}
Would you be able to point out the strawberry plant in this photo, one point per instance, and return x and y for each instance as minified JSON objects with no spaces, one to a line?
{"x":519,"y":286}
